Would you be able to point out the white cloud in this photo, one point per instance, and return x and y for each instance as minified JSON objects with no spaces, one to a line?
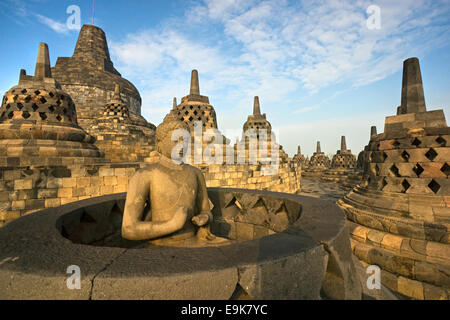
{"x":278,"y":50}
{"x":52,"y":24}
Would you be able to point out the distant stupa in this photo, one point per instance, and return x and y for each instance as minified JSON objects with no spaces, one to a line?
{"x":89,"y":77}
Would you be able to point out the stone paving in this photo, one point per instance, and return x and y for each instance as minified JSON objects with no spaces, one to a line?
{"x":321,"y":189}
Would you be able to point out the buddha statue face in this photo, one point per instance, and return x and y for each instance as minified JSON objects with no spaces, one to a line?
{"x":172,"y":138}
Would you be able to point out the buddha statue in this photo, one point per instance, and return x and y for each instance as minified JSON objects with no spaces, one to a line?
{"x":167,"y":202}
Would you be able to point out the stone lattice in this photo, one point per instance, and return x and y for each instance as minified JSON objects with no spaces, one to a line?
{"x":195,"y":107}
{"x":318,"y":163}
{"x":38,"y":122}
{"x":300,"y":158}
{"x":118,"y":137}
{"x":257,"y":133}
{"x":400,"y":215}
{"x":343,"y":165}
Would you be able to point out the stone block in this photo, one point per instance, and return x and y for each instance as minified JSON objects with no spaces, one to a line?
{"x":106,"y":172}
{"x":65,"y":192}
{"x":410,"y":288}
{"x":23,"y":184}
{"x":50,"y":203}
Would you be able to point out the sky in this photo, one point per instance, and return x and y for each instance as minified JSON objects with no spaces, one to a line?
{"x":321,"y":69}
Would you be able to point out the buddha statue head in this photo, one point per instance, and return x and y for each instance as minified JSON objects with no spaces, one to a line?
{"x":172,"y":138}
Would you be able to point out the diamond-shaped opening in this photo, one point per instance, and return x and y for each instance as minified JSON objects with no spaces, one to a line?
{"x":42,"y":100}
{"x":11,"y":114}
{"x":58,"y":102}
{"x":42,"y":115}
{"x":441,"y":141}
{"x":418,"y":169}
{"x":8,"y":106}
{"x":405,"y":155}
{"x":190,"y":118}
{"x":186,"y":112}
{"x":416,"y":142}
{"x":434,"y":186}
{"x":394,"y":170}
{"x":27,"y":99}
{"x":24,"y":91}
{"x":62,"y":97}
{"x":384,"y":156}
{"x":195,"y":112}
{"x":431,"y":154}
{"x":19,"y":106}
{"x":377,"y":170}
{"x":51,"y":94}
{"x":51,"y":108}
{"x":405,"y":185}
{"x":35,"y":107}
{"x":25,"y":114}
{"x":383,"y":183}
{"x":445,"y":169}
{"x":58,"y":117}
{"x":396,"y":143}
{"x":234,"y":202}
{"x":191,"y":107}
{"x":37,"y":92}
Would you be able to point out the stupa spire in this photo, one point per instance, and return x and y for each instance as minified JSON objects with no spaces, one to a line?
{"x":42,"y":69}
{"x":373,"y":131}
{"x":343,"y":144}
{"x":195,"y":89}
{"x":413,"y":99}
{"x":318,"y":147}
{"x":256,"y":107}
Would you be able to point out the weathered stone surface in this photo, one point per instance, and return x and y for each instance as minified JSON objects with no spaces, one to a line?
{"x":162,"y":273}
{"x":402,"y":199}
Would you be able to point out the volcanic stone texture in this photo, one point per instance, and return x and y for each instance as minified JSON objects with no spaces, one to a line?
{"x":342,"y":165}
{"x":400,"y":216}
{"x":318,"y":163}
{"x":308,"y":260}
{"x":89,"y":77}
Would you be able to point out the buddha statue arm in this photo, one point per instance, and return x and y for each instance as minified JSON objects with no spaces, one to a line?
{"x":133,"y":228}
{"x":204,"y":215}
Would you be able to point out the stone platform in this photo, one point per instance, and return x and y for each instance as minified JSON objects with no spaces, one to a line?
{"x":287,"y":247}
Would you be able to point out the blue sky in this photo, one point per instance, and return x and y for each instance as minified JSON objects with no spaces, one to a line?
{"x":319,"y":71}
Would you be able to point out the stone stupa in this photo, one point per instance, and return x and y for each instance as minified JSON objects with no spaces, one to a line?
{"x":362,"y":163}
{"x":299,"y":157}
{"x":118,"y":136}
{"x":38,"y":123}
{"x":195,"y":109}
{"x":89,"y":76}
{"x":342,"y":165}
{"x":400,"y":216}
{"x":257,"y":129}
{"x":318,"y":163}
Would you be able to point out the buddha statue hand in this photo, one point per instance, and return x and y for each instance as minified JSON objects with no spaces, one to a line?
{"x":202,"y":219}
